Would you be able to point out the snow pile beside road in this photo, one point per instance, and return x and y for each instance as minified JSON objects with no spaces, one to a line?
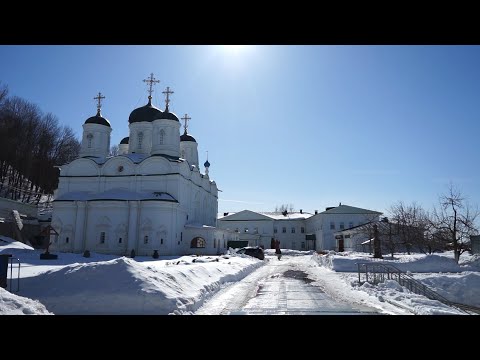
{"x":460,"y":288}
{"x":11,"y":304}
{"x":125,"y":286}
{"x":347,"y":261}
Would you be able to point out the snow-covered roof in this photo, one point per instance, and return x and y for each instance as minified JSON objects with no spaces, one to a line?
{"x":346,"y":209}
{"x":288,"y":216}
{"x":115,"y":194}
{"x":136,"y":158}
{"x":274,"y":215}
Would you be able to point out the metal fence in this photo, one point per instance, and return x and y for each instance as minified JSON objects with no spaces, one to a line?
{"x":375,"y":273}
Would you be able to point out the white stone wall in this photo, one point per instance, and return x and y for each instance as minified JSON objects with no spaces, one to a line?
{"x":320,"y":225}
{"x":98,"y":137}
{"x":171,"y":137}
{"x":134,"y":145}
{"x":189,"y":151}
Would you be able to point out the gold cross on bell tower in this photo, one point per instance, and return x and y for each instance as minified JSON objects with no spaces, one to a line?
{"x":99,"y":99}
{"x":152,"y":81}
{"x":167,"y":99}
{"x":186,"y":118}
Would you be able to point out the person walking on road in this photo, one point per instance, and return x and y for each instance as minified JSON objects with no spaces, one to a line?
{"x":277,"y":249}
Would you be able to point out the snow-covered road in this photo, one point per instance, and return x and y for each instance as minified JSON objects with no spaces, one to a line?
{"x":279,"y":287}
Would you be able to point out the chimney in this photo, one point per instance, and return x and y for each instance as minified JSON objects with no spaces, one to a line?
{"x":301,"y":211}
{"x":225,"y":214}
{"x":316,"y":212}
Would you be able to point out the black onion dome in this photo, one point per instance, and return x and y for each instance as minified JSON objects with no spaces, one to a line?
{"x":169,"y":115}
{"x":145,"y":113}
{"x":187,"y":137}
{"x":98,"y":119}
{"x":125,"y":140}
{"x":206,"y":164}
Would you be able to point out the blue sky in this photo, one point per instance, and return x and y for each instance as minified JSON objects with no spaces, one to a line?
{"x":310,"y":125}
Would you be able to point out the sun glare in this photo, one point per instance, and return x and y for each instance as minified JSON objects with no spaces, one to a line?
{"x":234,"y":49}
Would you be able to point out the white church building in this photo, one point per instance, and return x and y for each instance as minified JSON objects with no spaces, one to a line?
{"x":151,"y":196}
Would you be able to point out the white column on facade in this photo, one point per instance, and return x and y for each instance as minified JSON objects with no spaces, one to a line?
{"x":132,"y":226}
{"x":79,"y":227}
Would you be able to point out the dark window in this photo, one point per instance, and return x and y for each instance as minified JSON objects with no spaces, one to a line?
{"x":119,"y":240}
{"x":162,"y":136}
{"x":342,"y":225}
{"x":350,"y":224}
{"x":102,"y":237}
{"x":302,"y":230}
{"x":284,"y":229}
{"x":197,"y":242}
{"x":67,"y":239}
{"x":293,"y":230}
{"x":145,"y":239}
{"x":89,"y":140}
{"x":274,"y":230}
{"x":161,"y":241}
{"x":332,"y":225}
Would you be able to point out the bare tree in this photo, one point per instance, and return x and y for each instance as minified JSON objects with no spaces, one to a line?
{"x":411,"y":222}
{"x":454,"y":220}
{"x":32,"y":144}
{"x":284,"y":207}
{"x":113,"y":150}
{"x":3,"y":93}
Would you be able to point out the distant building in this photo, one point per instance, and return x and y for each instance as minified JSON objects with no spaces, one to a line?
{"x":258,"y":228}
{"x":327,"y":223}
{"x":296,"y":230}
{"x":475,"y":243}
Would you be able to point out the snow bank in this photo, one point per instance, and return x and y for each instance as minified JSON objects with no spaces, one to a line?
{"x":125,"y":286}
{"x":11,"y":304}
{"x":289,"y":252}
{"x":459,"y":288}
{"x":390,"y":291}
{"x":418,"y":263}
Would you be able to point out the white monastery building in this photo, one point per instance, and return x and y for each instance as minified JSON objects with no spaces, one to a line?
{"x":297,"y":230}
{"x":151,"y":196}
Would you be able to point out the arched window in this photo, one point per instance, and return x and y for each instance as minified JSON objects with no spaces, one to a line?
{"x":162,"y":136}
{"x":145,"y":239}
{"x":89,"y":140}
{"x":140,"y":140}
{"x":198,"y":242}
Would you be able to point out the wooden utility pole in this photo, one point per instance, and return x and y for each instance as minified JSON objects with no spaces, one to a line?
{"x":377,"y":248}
